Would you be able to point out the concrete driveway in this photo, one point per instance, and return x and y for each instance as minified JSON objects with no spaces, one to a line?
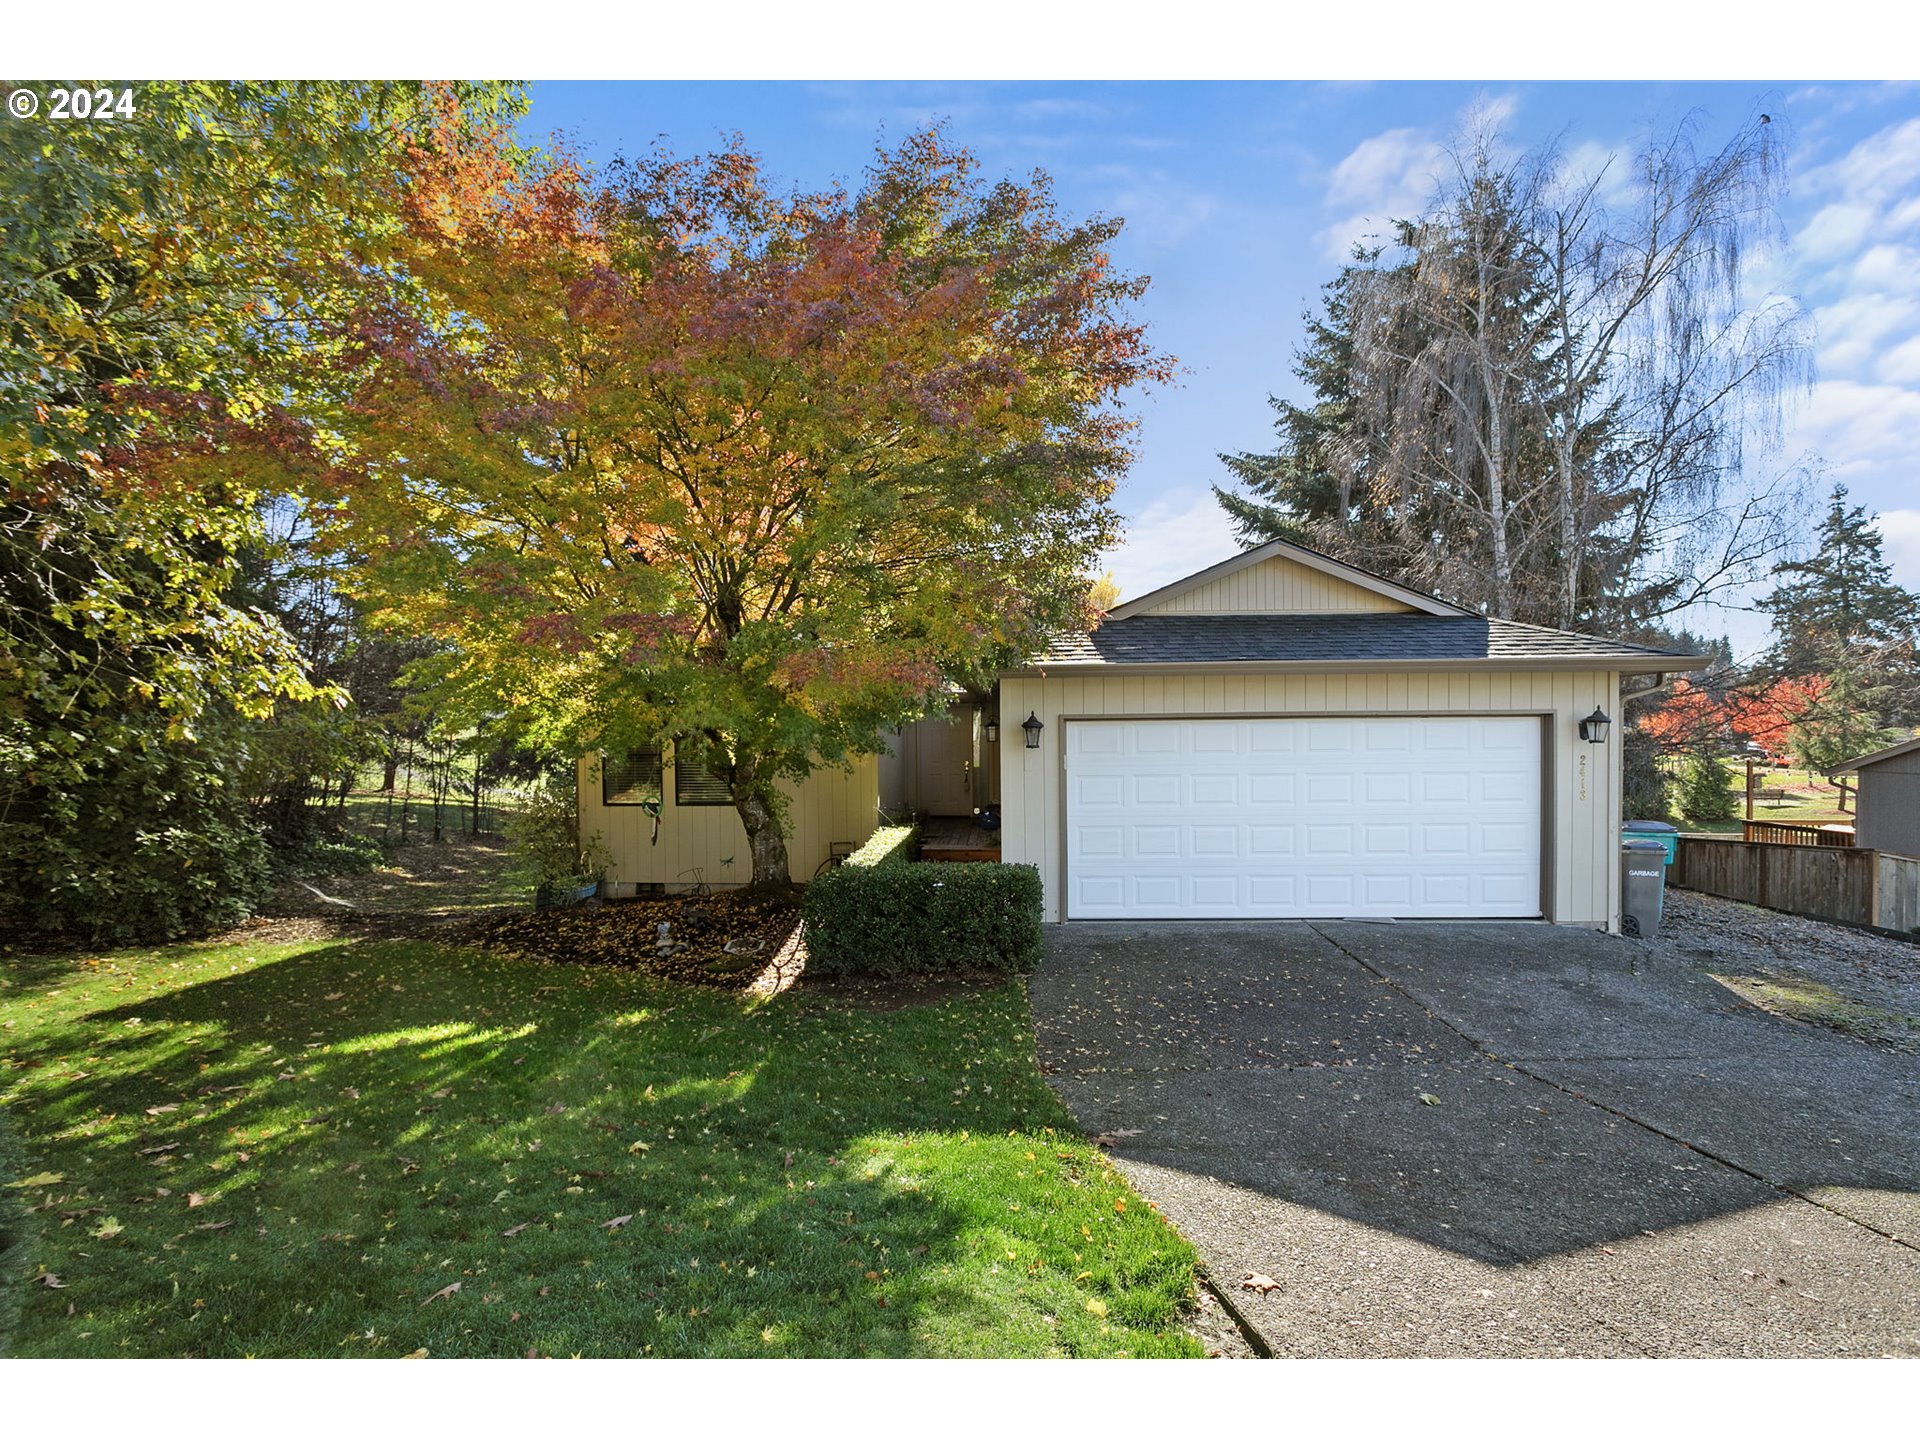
{"x":1494,"y":1139}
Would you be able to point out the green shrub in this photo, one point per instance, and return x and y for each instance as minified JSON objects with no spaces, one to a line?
{"x":338,"y":855}
{"x":144,"y":840}
{"x":899,"y":918}
{"x":1705,"y":791}
{"x":890,"y":843}
{"x":548,"y":850}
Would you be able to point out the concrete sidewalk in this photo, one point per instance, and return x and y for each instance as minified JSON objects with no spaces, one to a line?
{"x":1494,"y":1139}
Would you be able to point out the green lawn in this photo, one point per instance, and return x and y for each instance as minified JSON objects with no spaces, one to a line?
{"x":1786,"y":797}
{"x":358,"y":1148}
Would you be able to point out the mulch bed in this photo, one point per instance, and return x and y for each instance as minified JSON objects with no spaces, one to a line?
{"x":727,"y":940}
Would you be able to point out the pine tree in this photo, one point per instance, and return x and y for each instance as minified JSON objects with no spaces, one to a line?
{"x":1705,"y":794}
{"x":1842,"y":600}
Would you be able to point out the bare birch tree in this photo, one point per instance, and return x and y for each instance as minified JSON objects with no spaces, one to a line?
{"x":1542,"y":399}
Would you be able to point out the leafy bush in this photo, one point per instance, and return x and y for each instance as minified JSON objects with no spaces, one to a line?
{"x":147,"y":839}
{"x":548,"y":852}
{"x":900,"y":917}
{"x":337,"y":855}
{"x":1704,"y":794}
{"x":1643,"y":783}
{"x":888,"y":844}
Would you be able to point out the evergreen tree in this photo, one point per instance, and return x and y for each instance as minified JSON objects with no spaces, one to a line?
{"x":1705,"y":794}
{"x":1533,"y":404}
{"x":1841,"y":600}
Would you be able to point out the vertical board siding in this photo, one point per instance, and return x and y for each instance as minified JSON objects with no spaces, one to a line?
{"x":1277,"y":587}
{"x":1897,"y":898}
{"x":707,"y":843}
{"x":1580,"y":832}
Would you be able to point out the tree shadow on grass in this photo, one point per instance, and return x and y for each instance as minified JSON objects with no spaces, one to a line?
{"x":298,"y":1156}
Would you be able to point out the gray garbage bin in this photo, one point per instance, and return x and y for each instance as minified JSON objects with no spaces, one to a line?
{"x":1643,"y":880}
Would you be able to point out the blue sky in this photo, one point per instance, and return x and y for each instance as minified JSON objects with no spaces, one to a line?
{"x":1241,"y":198}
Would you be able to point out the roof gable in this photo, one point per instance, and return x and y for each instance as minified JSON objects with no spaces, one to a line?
{"x":1281,"y":578}
{"x":1892,"y":752}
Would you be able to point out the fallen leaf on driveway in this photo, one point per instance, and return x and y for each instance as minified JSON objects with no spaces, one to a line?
{"x":1256,"y":1281}
{"x":615,"y":1223}
{"x":1426,"y":1099}
{"x":442,"y":1293}
{"x":1109,"y":1138}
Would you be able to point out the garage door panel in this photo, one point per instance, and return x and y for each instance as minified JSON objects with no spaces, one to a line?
{"x":1407,"y":816}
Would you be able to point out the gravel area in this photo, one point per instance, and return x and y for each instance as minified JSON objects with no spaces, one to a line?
{"x":1859,"y":982}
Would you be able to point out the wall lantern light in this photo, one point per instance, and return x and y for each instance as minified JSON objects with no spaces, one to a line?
{"x":1593,"y":729}
{"x":1033,"y":726}
{"x":991,"y":729}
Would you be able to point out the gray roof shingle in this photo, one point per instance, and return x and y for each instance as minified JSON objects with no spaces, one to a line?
{"x":1231,"y":639}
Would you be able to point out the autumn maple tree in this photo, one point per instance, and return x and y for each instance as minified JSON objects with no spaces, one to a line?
{"x":673,"y":455}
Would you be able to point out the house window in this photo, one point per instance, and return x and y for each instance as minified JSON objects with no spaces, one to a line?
{"x":696,"y":785}
{"x":631,"y":779}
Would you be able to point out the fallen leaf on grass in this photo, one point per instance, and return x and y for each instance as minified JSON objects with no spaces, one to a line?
{"x":107,"y":1229}
{"x":159,"y":1149}
{"x":421,"y":1353}
{"x":213,"y":1225}
{"x":512,"y":1231}
{"x":161,"y":1109}
{"x":1264,"y":1284}
{"x":442,"y":1293}
{"x":45,"y":1177}
{"x":615,"y":1223}
{"x":1097,"y":1308}
{"x":195,"y":1199}
{"x":50,"y":1280}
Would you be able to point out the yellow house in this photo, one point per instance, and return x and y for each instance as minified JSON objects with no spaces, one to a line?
{"x":1279,"y":735}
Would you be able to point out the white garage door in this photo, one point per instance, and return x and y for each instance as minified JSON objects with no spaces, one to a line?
{"x":1411,"y":816}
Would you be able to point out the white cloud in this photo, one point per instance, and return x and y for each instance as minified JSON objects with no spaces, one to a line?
{"x":1835,"y":231}
{"x":1881,"y":168}
{"x":1386,"y":177}
{"x":1900,"y":530}
{"x":1173,"y":536}
{"x":1856,"y":422}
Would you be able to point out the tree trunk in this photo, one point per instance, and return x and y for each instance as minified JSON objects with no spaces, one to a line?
{"x":752,"y":798}
{"x":392,"y":777}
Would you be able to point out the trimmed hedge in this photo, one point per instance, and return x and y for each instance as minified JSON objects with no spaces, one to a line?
{"x":889,"y":844}
{"x":899,"y":918}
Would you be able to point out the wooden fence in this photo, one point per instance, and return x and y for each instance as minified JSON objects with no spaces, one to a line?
{"x":1827,"y":882}
{"x":1772,"y":832}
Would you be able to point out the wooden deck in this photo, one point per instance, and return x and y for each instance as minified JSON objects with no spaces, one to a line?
{"x":957,"y":838}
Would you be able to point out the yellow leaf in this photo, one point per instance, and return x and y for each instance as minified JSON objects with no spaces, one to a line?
{"x":1098,"y":1308}
{"x":45,"y":1177}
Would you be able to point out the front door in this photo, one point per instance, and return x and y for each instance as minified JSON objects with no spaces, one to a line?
{"x":943,"y":759}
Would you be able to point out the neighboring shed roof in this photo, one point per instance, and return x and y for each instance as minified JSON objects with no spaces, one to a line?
{"x":1892,"y":752}
{"x":1184,"y":641}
